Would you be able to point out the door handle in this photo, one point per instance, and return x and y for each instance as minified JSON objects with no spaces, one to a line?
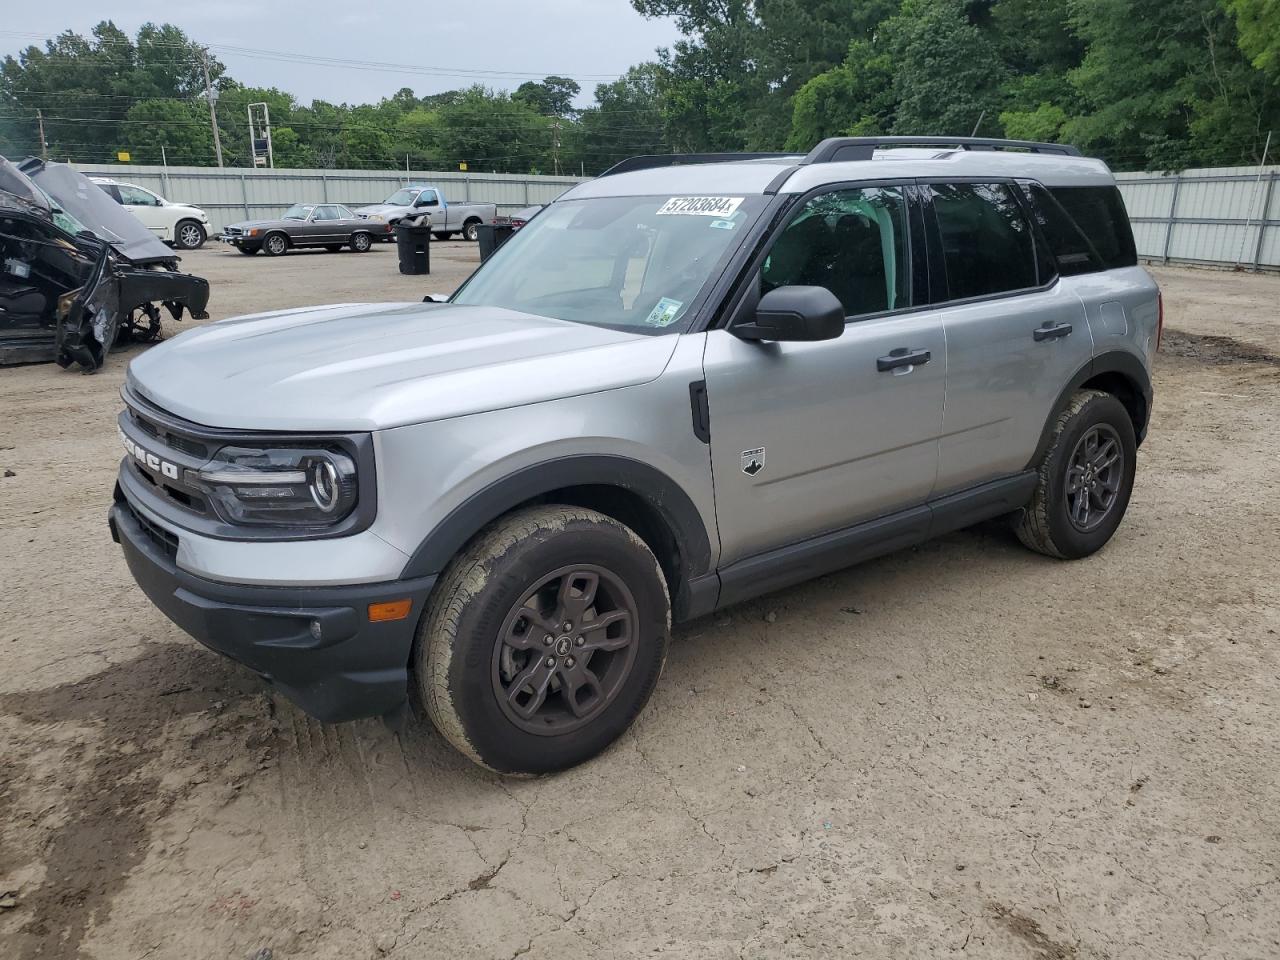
{"x":903,"y":357}
{"x":1052,"y":331}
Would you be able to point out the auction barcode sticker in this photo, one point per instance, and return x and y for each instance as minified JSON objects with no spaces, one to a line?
{"x":700,"y":206}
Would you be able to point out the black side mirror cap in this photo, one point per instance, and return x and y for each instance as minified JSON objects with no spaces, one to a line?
{"x":794,"y":313}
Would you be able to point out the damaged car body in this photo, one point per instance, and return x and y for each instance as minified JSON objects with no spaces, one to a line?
{"x":77,"y":272}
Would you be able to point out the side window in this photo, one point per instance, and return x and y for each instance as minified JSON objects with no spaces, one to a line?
{"x":986,"y":240}
{"x":136,"y":196}
{"x":1100,"y":213}
{"x":110,"y":190}
{"x":853,"y":242}
{"x":1071,"y":249}
{"x":427,"y":199}
{"x":344,"y":214}
{"x":326,"y":212}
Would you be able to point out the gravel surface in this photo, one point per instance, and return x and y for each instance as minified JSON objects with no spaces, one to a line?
{"x":959,"y":749}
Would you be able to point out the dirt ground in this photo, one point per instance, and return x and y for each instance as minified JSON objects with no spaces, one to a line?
{"x":960,"y":749}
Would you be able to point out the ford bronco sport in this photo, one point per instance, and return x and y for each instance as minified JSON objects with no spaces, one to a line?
{"x":687,"y":382}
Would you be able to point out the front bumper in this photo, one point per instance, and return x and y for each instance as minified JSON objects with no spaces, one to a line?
{"x":356,"y":668}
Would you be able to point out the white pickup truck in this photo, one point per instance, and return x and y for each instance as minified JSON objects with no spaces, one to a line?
{"x":447,"y":218}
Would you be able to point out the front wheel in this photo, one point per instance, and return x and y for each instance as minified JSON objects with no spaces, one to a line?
{"x":276,"y":244}
{"x":189,"y":235}
{"x":1085,"y":480}
{"x":471,"y":230}
{"x":543,"y":640}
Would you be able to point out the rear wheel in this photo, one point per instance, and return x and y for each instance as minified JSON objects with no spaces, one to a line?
{"x":445,"y":236}
{"x":471,"y":230}
{"x":361,"y":242}
{"x":275,"y":244}
{"x":1085,"y":481}
{"x":189,"y":235}
{"x":543,"y":640}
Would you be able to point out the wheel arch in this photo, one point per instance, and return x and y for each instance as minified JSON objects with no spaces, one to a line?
{"x":631,"y":492}
{"x":1121,"y":374}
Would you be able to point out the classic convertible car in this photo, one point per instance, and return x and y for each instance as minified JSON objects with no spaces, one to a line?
{"x":77,"y":271}
{"x":328,"y":225}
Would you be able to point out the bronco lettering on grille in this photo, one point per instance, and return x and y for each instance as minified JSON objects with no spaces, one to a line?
{"x":147,"y":458}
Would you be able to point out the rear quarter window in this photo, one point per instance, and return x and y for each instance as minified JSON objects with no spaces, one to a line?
{"x":1100,"y":214}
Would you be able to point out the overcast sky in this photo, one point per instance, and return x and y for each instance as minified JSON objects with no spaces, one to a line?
{"x":592,"y":41}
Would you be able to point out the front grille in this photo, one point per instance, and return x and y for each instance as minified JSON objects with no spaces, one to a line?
{"x":158,"y":535}
{"x":169,"y":437}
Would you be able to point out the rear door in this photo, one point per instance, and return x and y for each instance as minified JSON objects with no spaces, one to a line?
{"x":808,"y":438}
{"x":1015,"y":334}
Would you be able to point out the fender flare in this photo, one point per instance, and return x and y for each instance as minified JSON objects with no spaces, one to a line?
{"x":1127,"y":365}
{"x":659,"y":491}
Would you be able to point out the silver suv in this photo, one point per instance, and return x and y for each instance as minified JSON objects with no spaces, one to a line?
{"x":688,"y":382}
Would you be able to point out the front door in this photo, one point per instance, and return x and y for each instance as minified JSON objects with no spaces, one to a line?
{"x":148,"y":208}
{"x":808,"y":438}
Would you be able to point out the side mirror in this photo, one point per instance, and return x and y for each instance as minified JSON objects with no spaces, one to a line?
{"x":794,"y":313}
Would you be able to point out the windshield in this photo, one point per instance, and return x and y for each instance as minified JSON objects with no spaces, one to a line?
{"x":298,"y":212}
{"x":63,"y":219}
{"x":632,"y":263}
{"x":402,"y":198}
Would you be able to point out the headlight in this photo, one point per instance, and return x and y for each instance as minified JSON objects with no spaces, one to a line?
{"x":286,"y":486}
{"x":374,"y":216}
{"x":251,"y":233}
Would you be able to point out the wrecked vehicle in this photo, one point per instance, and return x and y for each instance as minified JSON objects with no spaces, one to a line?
{"x":78,"y":272}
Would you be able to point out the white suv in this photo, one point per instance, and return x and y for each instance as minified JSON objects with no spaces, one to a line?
{"x":184,"y":226}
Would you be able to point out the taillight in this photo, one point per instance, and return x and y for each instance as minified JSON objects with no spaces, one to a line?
{"x":1159,"y":317}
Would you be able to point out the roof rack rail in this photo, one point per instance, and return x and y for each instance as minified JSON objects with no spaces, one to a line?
{"x":835,"y":149}
{"x":651,"y":161}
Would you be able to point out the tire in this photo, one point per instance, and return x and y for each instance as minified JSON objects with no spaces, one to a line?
{"x":1052,"y":522}
{"x":248,"y":251}
{"x":471,"y":231}
{"x":361,"y":242}
{"x":467,"y":675}
{"x":275,"y":244}
{"x":189,"y":235}
{"x":333,"y":247}
{"x":447,"y":235}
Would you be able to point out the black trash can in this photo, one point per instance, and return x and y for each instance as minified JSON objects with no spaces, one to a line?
{"x":491,"y":237}
{"x":413,"y":244}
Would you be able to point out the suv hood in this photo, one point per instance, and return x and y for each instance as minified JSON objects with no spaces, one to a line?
{"x":356,"y":367}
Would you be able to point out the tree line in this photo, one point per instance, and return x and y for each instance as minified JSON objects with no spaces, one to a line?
{"x":1145,"y":84}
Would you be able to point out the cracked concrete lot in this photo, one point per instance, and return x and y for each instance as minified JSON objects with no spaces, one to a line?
{"x":958,"y":750}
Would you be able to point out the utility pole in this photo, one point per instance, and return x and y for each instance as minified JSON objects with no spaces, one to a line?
{"x":44,"y":147}
{"x":208,"y":92}
{"x":555,"y":145}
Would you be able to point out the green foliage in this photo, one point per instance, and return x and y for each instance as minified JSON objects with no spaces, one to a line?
{"x":551,"y":97}
{"x":853,"y":99}
{"x":1258,"y":22}
{"x":1142,"y":83}
{"x":1163,"y":85}
{"x":947,"y":74}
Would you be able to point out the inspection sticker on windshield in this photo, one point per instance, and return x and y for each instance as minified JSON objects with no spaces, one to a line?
{"x":665,"y":313}
{"x":700,"y":206}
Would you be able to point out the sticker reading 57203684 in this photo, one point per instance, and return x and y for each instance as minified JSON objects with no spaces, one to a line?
{"x":700,"y":206}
